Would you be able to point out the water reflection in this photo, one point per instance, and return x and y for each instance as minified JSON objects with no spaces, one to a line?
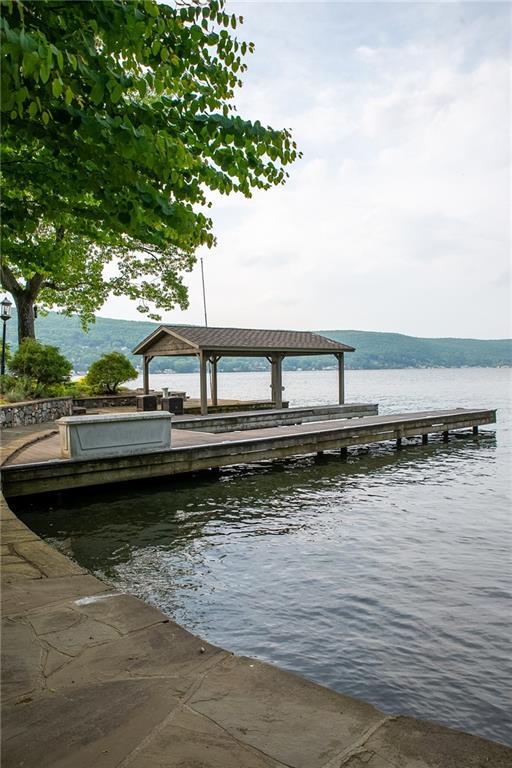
{"x":261,"y":499}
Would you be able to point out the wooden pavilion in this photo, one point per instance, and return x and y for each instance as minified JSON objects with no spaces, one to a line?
{"x":210,"y":344}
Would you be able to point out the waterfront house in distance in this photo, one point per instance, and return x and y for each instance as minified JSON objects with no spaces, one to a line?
{"x":210,"y":344}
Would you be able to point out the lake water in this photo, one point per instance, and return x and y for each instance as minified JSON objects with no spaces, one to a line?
{"x":387,"y":577}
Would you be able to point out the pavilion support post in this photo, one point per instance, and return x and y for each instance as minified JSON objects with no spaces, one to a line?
{"x":203,"y":383}
{"x":341,"y":378}
{"x":145,"y":373}
{"x":279,"y":381}
{"x":273,"y":388}
{"x":214,"y":360}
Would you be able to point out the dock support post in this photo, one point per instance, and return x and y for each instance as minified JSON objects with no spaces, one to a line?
{"x":399,"y":442}
{"x":203,"y":383}
{"x":214,"y":360}
{"x":145,"y":373}
{"x":341,"y":377}
{"x":344,"y":453}
{"x":424,"y":439}
{"x":445,"y":437}
{"x":475,"y":430}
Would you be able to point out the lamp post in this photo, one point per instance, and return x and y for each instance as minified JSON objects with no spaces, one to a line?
{"x":5,"y":314}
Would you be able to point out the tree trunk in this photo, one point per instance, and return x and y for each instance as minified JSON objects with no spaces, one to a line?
{"x":24,"y":297}
{"x":25,"y":306}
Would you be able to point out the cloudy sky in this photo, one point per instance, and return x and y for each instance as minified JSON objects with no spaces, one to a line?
{"x":397,"y":217}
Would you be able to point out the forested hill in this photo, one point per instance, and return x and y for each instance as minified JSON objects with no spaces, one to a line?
{"x":373,"y":349}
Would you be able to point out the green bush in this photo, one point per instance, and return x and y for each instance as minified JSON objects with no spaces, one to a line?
{"x":37,"y":366}
{"x":20,"y":389}
{"x":106,"y":374}
{"x":68,"y":389}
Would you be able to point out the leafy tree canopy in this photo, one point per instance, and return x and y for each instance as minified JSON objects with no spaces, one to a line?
{"x":118,"y":125}
{"x":106,"y":374}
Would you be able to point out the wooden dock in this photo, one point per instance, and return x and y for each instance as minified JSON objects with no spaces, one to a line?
{"x":38,"y":468}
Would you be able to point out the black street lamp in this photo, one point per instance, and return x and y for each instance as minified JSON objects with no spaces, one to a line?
{"x":5,"y":314}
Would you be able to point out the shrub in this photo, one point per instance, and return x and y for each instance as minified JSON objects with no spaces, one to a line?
{"x":7,"y":383}
{"x":67,"y":389}
{"x":39,"y":364}
{"x":106,"y":374}
{"x":20,"y":389}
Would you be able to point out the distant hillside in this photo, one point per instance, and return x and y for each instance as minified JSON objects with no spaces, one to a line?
{"x":373,"y":349}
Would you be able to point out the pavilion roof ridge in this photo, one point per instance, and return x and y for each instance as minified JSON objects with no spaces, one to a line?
{"x":241,"y":328}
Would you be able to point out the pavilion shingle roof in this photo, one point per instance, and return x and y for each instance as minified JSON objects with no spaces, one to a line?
{"x":240,"y":340}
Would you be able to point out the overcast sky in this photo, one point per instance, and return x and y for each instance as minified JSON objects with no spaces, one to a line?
{"x":397,"y":218}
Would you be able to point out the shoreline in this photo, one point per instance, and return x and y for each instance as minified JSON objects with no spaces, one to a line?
{"x":122,"y":684}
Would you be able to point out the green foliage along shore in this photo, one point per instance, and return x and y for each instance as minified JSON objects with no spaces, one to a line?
{"x":373,"y":349}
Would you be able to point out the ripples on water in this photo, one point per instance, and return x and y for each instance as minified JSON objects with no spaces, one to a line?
{"x":387,"y":578}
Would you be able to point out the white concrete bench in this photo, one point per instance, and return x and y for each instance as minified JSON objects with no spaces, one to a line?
{"x":116,"y":434}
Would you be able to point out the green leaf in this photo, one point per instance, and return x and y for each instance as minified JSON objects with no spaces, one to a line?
{"x":33,"y":109}
{"x":151,"y":7}
{"x":30,"y":61}
{"x":68,"y":96}
{"x":46,"y":117}
{"x":57,"y":87}
{"x":116,"y":93}
{"x":44,"y":71}
{"x":97,"y":93}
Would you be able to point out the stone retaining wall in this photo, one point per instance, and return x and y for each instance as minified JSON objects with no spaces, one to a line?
{"x":35,"y":411}
{"x":107,"y":401}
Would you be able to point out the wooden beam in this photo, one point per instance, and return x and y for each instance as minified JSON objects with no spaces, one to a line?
{"x":145,"y":373}
{"x":273,"y":387}
{"x":279,"y":382}
{"x":341,"y":378}
{"x":203,"y":383}
{"x":214,"y":360}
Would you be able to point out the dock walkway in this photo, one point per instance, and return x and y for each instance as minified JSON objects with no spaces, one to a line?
{"x":38,"y":468}
{"x":277,"y":417}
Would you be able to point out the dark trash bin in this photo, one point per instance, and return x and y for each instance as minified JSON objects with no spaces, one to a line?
{"x":146,"y":403}
{"x":173,"y":405}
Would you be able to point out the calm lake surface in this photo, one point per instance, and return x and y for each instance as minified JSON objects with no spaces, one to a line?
{"x":387,"y":577}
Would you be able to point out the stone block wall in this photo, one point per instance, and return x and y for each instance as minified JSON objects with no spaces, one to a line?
{"x":35,"y":411}
{"x":106,"y":401}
